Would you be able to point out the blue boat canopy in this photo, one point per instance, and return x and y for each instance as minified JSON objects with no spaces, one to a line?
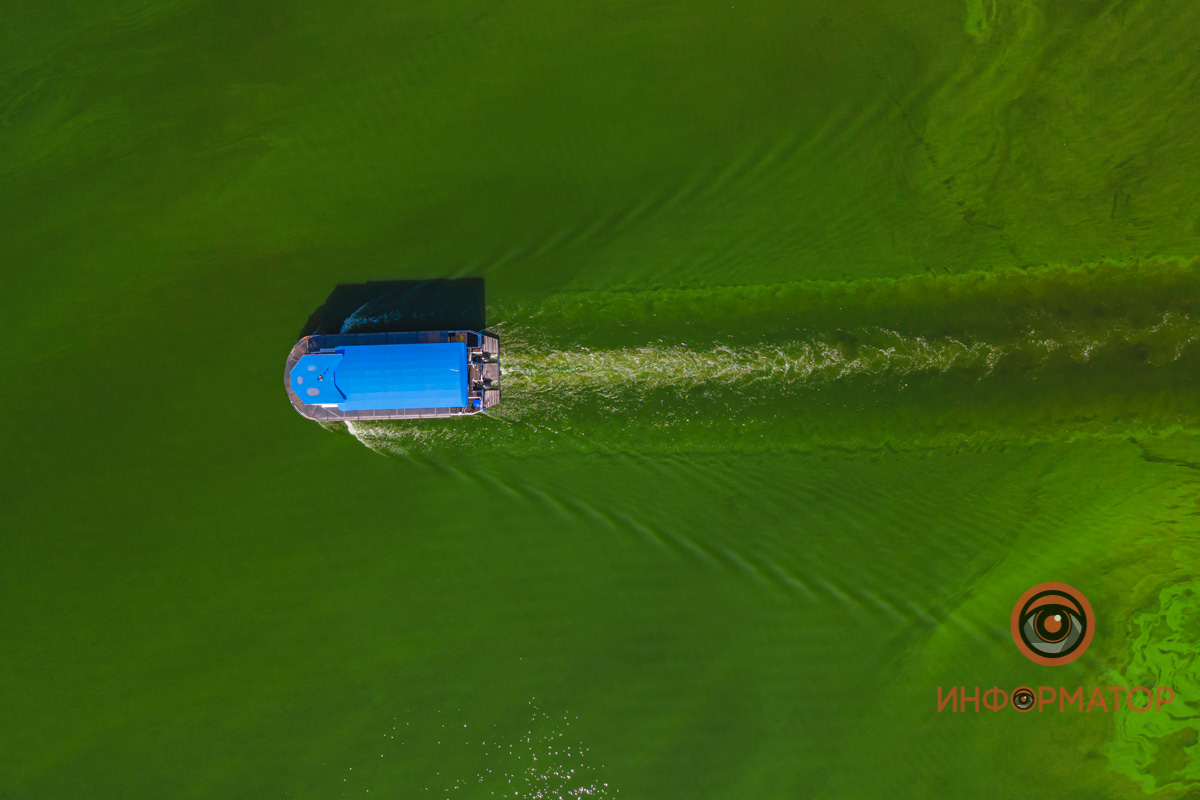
{"x":385,"y":376}
{"x":312,"y":379}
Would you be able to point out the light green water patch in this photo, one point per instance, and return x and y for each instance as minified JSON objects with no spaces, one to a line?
{"x":924,"y":361}
{"x":981,"y":15}
{"x":1070,"y":129}
{"x":1160,"y":750}
{"x":1115,"y":520}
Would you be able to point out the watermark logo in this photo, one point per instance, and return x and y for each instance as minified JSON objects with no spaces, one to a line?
{"x":1138,"y":699}
{"x":1022,"y":698}
{"x":1052,"y":624}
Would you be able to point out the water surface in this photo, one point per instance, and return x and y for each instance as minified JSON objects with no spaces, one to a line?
{"x":828,"y":331}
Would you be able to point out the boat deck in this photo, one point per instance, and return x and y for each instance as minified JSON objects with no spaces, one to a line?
{"x":490,"y":345}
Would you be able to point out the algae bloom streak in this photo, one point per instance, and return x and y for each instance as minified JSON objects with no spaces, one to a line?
{"x":930,"y":361}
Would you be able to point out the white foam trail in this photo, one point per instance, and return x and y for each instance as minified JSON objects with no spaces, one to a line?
{"x":530,"y":369}
{"x":681,"y":367}
{"x":384,"y":442}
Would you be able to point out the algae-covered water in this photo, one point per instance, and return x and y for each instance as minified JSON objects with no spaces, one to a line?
{"x":828,"y":330}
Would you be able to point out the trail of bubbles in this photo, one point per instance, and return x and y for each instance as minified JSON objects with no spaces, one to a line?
{"x":538,"y":758}
{"x":880,"y":354}
{"x":679,"y":367}
{"x":544,"y":763}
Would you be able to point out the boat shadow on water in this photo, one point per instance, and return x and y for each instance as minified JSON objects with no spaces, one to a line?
{"x":401,"y":306}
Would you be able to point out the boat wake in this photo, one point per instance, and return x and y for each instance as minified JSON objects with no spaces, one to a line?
{"x":932,"y":361}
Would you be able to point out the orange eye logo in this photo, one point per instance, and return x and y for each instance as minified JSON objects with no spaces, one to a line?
{"x":1052,"y":624}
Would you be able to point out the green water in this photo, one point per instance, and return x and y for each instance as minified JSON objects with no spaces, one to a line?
{"x":828,"y":331}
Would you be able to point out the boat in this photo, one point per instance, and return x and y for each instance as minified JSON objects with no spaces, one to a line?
{"x":376,"y":376}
